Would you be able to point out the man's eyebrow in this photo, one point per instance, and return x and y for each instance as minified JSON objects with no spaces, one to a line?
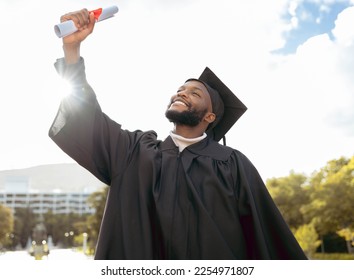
{"x":193,"y":88}
{"x":198,"y":88}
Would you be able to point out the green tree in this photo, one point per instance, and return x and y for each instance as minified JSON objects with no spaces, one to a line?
{"x":81,"y":228}
{"x":25,"y":220}
{"x":331,"y":191}
{"x":289,"y":194}
{"x":307,"y":237}
{"x":53,"y":224}
{"x":97,"y":201}
{"x":348,"y":235}
{"x":62,"y":227}
{"x":6,"y":226}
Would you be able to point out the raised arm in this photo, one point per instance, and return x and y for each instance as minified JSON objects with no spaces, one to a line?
{"x":85,"y":22}
{"x":80,"y":128}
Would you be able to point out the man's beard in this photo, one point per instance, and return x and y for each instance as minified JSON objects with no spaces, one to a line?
{"x":189,"y":118}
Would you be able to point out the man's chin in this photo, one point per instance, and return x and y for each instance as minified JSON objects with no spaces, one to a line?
{"x":184,"y":117}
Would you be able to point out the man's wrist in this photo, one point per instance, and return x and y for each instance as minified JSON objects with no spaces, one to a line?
{"x":73,"y":73}
{"x":71,"y":53}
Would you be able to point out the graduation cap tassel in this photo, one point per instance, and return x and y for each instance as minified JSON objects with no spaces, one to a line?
{"x":224,"y":140}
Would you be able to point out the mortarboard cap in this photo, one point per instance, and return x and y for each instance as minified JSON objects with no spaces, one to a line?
{"x":226,"y":106}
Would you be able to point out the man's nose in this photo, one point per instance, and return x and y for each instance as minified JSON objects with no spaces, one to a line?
{"x":182,"y":93}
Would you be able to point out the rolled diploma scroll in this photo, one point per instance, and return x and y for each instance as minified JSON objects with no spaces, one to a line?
{"x":68,"y":27}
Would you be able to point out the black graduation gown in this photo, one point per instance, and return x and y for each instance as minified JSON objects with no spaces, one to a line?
{"x":207,"y":202}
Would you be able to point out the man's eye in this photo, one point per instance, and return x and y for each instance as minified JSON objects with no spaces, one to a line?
{"x":195,"y":93}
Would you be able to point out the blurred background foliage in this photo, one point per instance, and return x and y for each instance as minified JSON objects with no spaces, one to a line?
{"x":319,"y":209}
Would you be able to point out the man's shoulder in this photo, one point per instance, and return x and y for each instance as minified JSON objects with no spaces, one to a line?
{"x":222,"y":152}
{"x":147,"y":138}
{"x":149,"y":135}
{"x":213,"y":149}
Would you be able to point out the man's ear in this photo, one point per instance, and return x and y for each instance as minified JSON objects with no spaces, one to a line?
{"x":210,"y":117}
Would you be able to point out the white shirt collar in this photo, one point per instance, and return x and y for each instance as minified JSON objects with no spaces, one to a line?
{"x":183,"y":142}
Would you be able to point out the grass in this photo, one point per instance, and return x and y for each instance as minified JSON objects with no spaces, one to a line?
{"x":332,"y":256}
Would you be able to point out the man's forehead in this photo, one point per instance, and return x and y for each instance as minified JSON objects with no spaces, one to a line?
{"x":196,"y":85}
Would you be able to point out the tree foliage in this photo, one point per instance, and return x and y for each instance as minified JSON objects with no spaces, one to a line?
{"x":348,"y":235}
{"x":331,"y":191}
{"x":25,"y":220}
{"x":6,"y":225}
{"x":288,"y":194}
{"x":325,"y":200}
{"x":63,"y":227}
{"x":308,"y":239}
{"x":96,"y":200}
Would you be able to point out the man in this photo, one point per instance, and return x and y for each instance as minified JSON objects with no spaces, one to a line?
{"x":186,"y":197}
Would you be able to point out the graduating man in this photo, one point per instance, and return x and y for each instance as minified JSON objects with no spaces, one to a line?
{"x":187,"y":197}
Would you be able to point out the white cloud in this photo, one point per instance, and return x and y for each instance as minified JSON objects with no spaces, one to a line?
{"x":344,"y":31}
{"x":294,"y":22}
{"x":302,"y":105}
{"x":315,"y":89}
{"x":325,"y":8}
{"x":344,"y":41}
{"x":292,"y":8}
{"x":137,"y":60}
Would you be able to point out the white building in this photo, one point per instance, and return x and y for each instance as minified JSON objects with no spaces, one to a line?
{"x":18,"y":194}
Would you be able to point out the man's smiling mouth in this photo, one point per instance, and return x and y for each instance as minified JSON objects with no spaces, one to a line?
{"x":178,"y":102}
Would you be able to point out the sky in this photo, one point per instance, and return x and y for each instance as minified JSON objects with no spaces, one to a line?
{"x":291,"y":62}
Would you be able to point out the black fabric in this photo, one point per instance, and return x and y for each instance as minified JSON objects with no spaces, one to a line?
{"x":207,"y":202}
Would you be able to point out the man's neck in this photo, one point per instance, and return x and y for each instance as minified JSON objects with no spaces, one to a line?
{"x":188,"y":132}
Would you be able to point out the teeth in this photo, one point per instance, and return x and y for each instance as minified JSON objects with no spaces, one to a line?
{"x":179,"y":102}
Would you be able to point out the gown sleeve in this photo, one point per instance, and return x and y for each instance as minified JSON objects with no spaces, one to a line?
{"x":84,"y":132}
{"x":266,"y":232}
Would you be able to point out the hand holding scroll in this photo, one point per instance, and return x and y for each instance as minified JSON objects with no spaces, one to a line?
{"x":76,"y":26}
{"x":69,"y":26}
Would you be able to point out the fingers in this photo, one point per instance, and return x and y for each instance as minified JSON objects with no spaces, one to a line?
{"x":92,"y":21}
{"x":81,"y":18}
